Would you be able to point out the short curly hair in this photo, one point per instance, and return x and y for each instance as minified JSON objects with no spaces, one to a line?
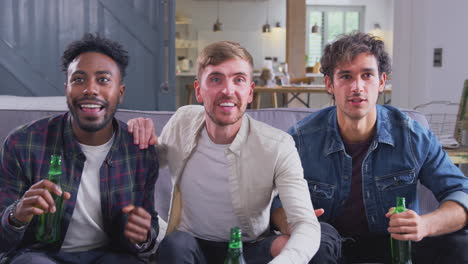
{"x":347,"y":47}
{"x":96,"y":43}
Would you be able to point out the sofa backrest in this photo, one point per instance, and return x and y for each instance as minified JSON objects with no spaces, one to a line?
{"x":281,"y":118}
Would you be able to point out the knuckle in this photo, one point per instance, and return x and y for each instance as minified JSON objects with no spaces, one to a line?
{"x":44,"y":192}
{"x":38,"y":184}
{"x":130,"y":219}
{"x":27,"y":193}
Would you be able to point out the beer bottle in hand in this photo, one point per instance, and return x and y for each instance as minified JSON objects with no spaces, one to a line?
{"x":48,"y":230}
{"x":401,"y":250}
{"x":234,"y":254}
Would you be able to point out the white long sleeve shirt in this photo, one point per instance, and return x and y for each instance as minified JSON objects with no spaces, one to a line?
{"x":262,"y":161}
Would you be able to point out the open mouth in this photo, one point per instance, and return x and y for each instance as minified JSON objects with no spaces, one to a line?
{"x":91,"y":108}
{"x":357,"y":100}
{"x":227,"y":105}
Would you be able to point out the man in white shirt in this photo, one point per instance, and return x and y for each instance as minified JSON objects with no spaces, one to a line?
{"x":226,"y":167}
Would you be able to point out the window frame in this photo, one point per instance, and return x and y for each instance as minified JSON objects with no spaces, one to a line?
{"x":325,"y":10}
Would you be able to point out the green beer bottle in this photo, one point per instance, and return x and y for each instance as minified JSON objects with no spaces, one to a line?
{"x":234,"y":254}
{"x":401,"y":250}
{"x":48,"y":230}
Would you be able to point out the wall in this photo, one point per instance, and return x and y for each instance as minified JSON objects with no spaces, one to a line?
{"x":420,"y":26}
{"x":34,"y":34}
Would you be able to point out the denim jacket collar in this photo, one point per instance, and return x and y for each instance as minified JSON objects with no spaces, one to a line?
{"x":384,"y":127}
{"x":335,"y":142}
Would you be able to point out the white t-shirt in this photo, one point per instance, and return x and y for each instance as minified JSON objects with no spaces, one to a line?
{"x":207,"y":210}
{"x":86,"y":230}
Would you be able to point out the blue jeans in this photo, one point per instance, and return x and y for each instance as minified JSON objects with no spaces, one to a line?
{"x":449,"y":248}
{"x":101,"y":256}
{"x":180,"y":247}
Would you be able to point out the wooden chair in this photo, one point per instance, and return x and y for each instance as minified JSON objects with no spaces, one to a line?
{"x":301,"y":80}
{"x":454,"y":123}
{"x":190,"y":90}
{"x":306,"y":80}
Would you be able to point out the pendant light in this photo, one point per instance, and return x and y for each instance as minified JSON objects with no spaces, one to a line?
{"x":315,"y":28}
{"x":217,"y":26}
{"x":266,"y":28}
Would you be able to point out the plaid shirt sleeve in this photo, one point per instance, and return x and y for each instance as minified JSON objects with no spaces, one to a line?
{"x":132,"y":180}
{"x":149,"y":248}
{"x":12,"y":186}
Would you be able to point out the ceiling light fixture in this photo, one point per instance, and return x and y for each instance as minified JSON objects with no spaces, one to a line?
{"x":315,"y":28}
{"x":266,"y":28}
{"x":217,"y":26}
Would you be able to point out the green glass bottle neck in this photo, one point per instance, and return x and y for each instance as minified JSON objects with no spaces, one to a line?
{"x":235,"y":245}
{"x":55,"y":169}
{"x":55,"y":164}
{"x":400,"y":205}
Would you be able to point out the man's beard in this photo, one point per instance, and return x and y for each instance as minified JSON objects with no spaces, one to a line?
{"x":218,"y":122}
{"x":90,"y":126}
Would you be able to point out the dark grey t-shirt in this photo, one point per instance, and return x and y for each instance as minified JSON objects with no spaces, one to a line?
{"x":352,"y":221}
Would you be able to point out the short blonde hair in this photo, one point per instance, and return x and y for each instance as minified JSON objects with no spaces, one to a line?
{"x":219,"y":52}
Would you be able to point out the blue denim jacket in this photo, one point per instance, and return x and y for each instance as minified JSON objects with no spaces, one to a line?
{"x":401,"y":153}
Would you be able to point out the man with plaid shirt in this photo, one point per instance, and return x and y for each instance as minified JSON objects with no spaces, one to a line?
{"x":108,"y":183}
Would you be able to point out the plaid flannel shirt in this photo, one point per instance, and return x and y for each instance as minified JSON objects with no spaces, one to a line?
{"x":127,"y":176}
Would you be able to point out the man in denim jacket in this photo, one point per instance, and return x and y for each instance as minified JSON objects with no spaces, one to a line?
{"x":358,"y":156}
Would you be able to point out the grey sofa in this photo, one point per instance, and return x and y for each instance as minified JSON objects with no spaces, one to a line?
{"x":281,"y":118}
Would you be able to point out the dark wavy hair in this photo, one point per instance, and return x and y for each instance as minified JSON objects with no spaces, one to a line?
{"x":96,"y":43}
{"x":347,"y":47}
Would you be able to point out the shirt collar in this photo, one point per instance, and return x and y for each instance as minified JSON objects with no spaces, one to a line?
{"x":241,"y":136}
{"x":384,"y":127}
{"x":72,"y":147}
{"x":382,"y":133}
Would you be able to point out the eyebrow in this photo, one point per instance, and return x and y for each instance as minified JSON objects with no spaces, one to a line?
{"x":219,"y":73}
{"x":97,"y":72}
{"x":215,"y":73}
{"x":362,"y":70}
{"x":104,"y":72}
{"x":241,"y":73}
